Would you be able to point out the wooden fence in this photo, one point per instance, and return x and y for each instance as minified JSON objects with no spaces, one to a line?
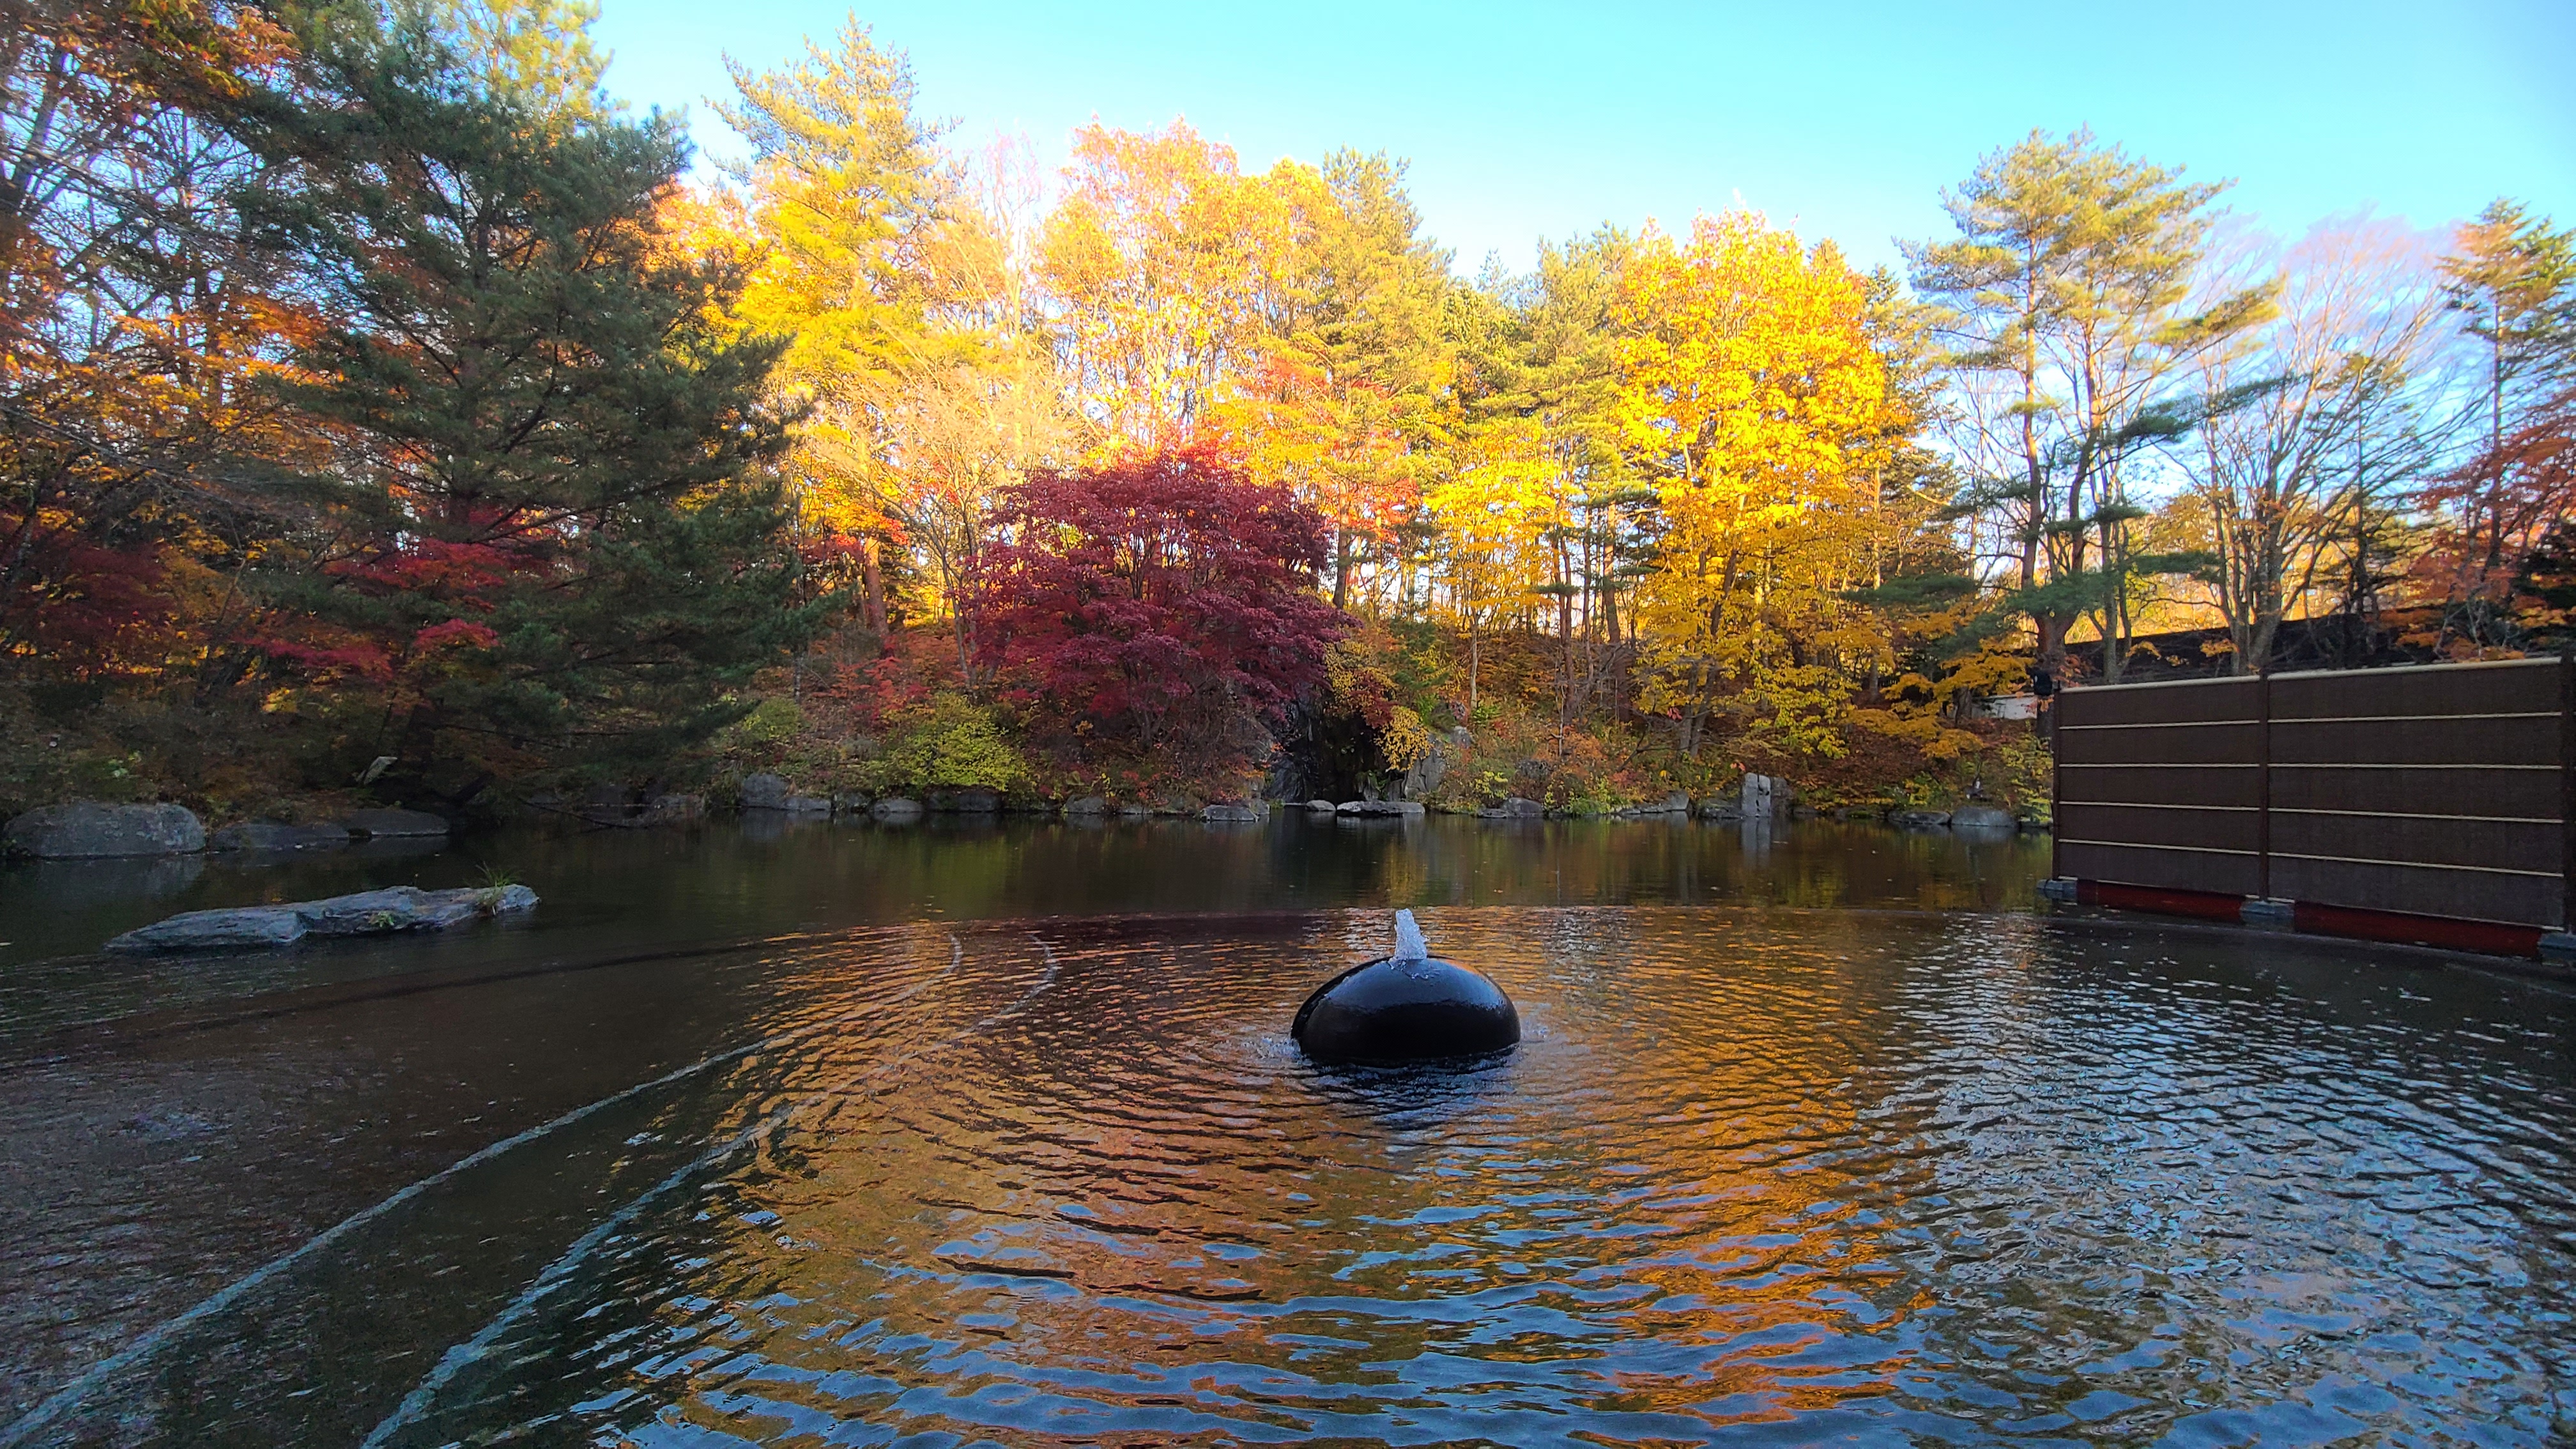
{"x":2426,"y":803}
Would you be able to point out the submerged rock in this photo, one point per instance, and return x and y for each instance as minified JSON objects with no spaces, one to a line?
{"x":385,"y":912}
{"x":1409,"y":1007}
{"x":379,"y":912}
{"x":92,"y":830}
{"x":245,"y":928}
{"x":379,"y":824}
{"x":269,"y":835}
{"x":676,"y":807}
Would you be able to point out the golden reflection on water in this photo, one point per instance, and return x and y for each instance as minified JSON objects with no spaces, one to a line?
{"x":1081,"y":1189}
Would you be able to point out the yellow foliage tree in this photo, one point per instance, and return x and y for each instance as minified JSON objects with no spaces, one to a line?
{"x":1166,"y":266}
{"x":1753,"y":398}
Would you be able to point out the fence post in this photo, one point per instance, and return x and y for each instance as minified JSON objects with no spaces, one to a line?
{"x":2055,"y":707}
{"x":2263,"y":783}
{"x":2567,"y":789}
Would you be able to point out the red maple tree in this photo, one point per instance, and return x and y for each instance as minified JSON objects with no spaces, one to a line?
{"x":1159,"y":603}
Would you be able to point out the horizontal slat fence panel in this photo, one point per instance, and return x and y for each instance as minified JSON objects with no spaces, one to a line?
{"x":2463,"y":740}
{"x":2419,"y":891}
{"x":2440,"y":790}
{"x":2192,"y":742}
{"x":2180,"y":827}
{"x":2517,"y":686}
{"x":2165,"y":784}
{"x":2166,"y":869}
{"x":2494,"y":790}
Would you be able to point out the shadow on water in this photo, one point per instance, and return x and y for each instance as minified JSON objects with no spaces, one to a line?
{"x":1418,"y":1096}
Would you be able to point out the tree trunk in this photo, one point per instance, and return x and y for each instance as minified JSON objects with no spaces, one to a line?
{"x":872,"y":610}
{"x":1475,"y":658}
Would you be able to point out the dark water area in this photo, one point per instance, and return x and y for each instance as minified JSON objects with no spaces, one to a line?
{"x":950,"y":1137}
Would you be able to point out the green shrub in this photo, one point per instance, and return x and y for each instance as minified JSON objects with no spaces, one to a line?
{"x":950,"y":741}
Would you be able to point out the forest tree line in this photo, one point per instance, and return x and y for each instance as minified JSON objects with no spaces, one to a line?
{"x":381,"y":399}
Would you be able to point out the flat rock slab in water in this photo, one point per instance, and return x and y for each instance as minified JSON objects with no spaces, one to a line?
{"x":375,"y":824}
{"x":269,"y":835}
{"x":385,"y":912}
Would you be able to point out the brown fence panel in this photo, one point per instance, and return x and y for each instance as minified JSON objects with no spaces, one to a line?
{"x":2440,"y":790}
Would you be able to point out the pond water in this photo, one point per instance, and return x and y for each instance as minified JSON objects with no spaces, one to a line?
{"x":859,"y":1136}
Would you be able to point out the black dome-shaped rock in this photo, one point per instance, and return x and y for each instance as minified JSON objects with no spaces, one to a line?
{"x":1409,"y":1007}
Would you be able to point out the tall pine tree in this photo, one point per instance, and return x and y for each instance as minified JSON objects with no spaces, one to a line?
{"x":549,"y":528}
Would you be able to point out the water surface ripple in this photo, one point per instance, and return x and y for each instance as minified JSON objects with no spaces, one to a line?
{"x":1756,"y":1177}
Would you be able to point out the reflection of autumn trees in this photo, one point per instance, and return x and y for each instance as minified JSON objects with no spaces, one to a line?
{"x":1086,"y":1167}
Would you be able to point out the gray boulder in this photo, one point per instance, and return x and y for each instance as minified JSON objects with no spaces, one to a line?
{"x":967,"y":800}
{"x":851,"y":802}
{"x":1521,"y":807}
{"x":1918,"y":819}
{"x":676,"y":807}
{"x":382,"y":824}
{"x":1726,"y":809}
{"x":895,"y":807}
{"x":1981,"y":817}
{"x":1426,"y":773}
{"x":248,"y":928}
{"x":1232,"y":814}
{"x":1321,"y":807}
{"x":1676,"y":803}
{"x":1087,"y":805}
{"x":1766,"y":796}
{"x":763,"y":791}
{"x":809,"y":805}
{"x":1133,"y":810}
{"x":270,"y":836}
{"x":1380,"y":809}
{"x":90,"y":830}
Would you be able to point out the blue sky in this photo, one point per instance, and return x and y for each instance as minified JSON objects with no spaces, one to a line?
{"x":1525,"y":121}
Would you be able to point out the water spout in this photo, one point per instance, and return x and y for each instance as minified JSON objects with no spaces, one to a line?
{"x":1409,"y":945}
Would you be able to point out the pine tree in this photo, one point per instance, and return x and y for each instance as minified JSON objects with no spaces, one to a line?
{"x":552,"y":532}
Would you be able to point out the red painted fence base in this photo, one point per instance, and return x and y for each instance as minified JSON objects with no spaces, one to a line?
{"x":2490,"y":938}
{"x":2205,"y":905}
